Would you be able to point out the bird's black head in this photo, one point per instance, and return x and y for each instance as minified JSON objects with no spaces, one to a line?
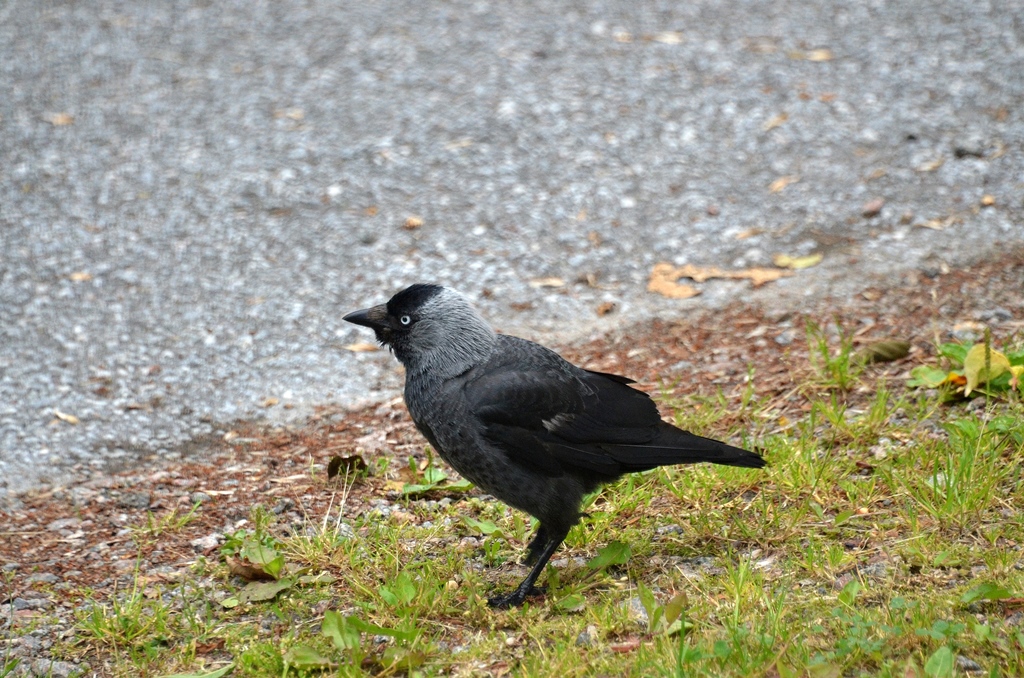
{"x":392,"y":322}
{"x":428,"y":326}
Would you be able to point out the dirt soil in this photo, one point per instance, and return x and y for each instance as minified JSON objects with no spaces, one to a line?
{"x":55,"y":542}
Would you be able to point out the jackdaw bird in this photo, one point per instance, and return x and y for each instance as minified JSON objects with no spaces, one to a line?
{"x":521,"y":422}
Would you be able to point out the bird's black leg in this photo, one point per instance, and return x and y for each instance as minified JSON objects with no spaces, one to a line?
{"x":516,"y":598}
{"x":535,"y":546}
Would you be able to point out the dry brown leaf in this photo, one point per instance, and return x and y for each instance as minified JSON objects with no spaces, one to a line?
{"x":361,"y":347}
{"x":775,"y":121}
{"x":664,"y":277}
{"x":247,"y":571}
{"x":547,"y":282}
{"x":663,"y":282}
{"x":290,"y":113}
{"x":270,"y":402}
{"x":872,"y":207}
{"x":69,"y":418}
{"x":59,"y":119}
{"x":668,"y":37}
{"x":749,"y":233}
{"x":796,"y":263}
{"x":605,"y":308}
{"x":80,"y":276}
{"x":936,"y":224}
{"x":781,"y":183}
{"x":932,"y":166}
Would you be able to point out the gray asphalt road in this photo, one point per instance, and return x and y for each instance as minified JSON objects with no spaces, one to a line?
{"x":193,"y":193}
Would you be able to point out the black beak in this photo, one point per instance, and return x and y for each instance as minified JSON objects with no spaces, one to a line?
{"x":375,"y":318}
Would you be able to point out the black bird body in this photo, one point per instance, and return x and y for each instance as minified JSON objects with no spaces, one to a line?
{"x":521,"y":422}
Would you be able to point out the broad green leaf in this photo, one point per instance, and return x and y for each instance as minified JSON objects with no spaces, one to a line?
{"x":616,"y":553}
{"x":986,"y":591}
{"x":940,"y":664}
{"x":434,"y":475}
{"x":261,"y":591}
{"x":343,"y":636}
{"x":401,"y":659}
{"x":850,"y":592}
{"x":955,"y":352}
{"x":674,"y":607}
{"x":573,"y":602}
{"x":229,"y":602}
{"x":482,"y":526}
{"x":927,"y":376}
{"x":983,"y":364}
{"x":406,"y":636}
{"x":302,"y":657}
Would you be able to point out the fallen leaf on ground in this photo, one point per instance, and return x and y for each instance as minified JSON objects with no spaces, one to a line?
{"x":983,"y":364}
{"x":247,"y":570}
{"x":872,"y":207}
{"x":884,"y":351}
{"x":775,"y":121}
{"x":349,"y":462}
{"x":664,"y":277}
{"x":796,"y":263}
{"x":547,"y":282}
{"x":663,"y":282}
{"x":361,"y":347}
{"x":69,"y":418}
{"x":749,"y":233}
{"x":931,"y":166}
{"x":59,"y":119}
{"x":779,"y":184}
{"x":668,"y":37}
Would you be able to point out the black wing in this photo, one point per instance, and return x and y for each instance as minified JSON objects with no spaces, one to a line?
{"x":555,"y":421}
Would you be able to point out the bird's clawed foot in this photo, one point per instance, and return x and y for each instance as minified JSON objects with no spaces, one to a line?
{"x":516,"y":598}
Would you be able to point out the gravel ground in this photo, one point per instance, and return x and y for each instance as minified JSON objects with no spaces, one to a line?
{"x":193,"y":193}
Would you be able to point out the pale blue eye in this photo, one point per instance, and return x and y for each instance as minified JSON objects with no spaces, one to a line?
{"x":405,"y":320}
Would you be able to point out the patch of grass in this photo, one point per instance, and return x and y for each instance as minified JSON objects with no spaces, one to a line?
{"x":884,"y":539}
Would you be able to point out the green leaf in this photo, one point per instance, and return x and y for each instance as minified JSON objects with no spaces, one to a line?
{"x":401,"y":592}
{"x":229,"y":603}
{"x":417,"y":489}
{"x":482,"y":526}
{"x":302,"y":657}
{"x":459,"y":486}
{"x":401,"y":659}
{"x":955,"y":352}
{"x":927,"y":377}
{"x":262,"y":591}
{"x":674,"y":607}
{"x":434,"y":475}
{"x":219,"y":673}
{"x":986,"y":591}
{"x":334,"y":626}
{"x":616,"y":553}
{"x":940,"y":664}
{"x":843,"y":516}
{"x":850,"y":592}
{"x":573,"y":602}
{"x":405,"y":636}
{"x":883,"y":351}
